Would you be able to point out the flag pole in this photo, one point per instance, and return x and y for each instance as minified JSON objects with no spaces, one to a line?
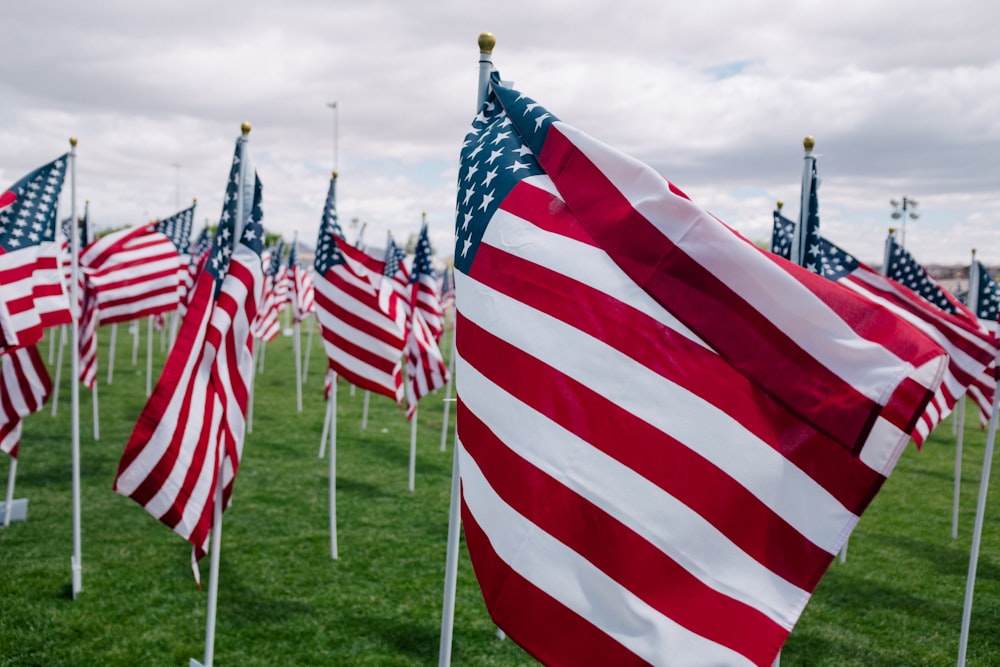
{"x":799,"y":238}
{"x":486,"y":43}
{"x":309,"y":344}
{"x":413,"y":449}
{"x":364,"y":410}
{"x":9,"y":501}
{"x":134,"y":328}
{"x":76,"y":562}
{"x":253,"y":373}
{"x":111,"y":351}
{"x":59,"y":363}
{"x":97,"y":419}
{"x":333,"y":469}
{"x":977,"y":532}
{"x":447,"y":390}
{"x":297,"y":344}
{"x":326,"y":427}
{"x":149,"y":356}
{"x":959,"y":421}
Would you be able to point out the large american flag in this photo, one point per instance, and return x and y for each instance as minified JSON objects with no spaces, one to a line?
{"x":32,"y":294}
{"x":194,"y":422}
{"x":24,"y":388}
{"x":128,"y":274}
{"x":363,"y":345}
{"x":665,"y":434}
{"x":300,"y":287}
{"x":971,"y":348}
{"x":425,"y":296}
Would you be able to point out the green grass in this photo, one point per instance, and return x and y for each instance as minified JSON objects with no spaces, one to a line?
{"x":897,"y":600}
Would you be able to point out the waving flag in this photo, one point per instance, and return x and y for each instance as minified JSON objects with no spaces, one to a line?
{"x":266,"y":326}
{"x":198,"y":255}
{"x":394,"y":295}
{"x":177,"y":228}
{"x":448,"y":289}
{"x":32,"y":295}
{"x":984,"y":295}
{"x":194,"y":422}
{"x":301,"y":287}
{"x":363,"y":345}
{"x":425,"y":296}
{"x":24,"y":388}
{"x":659,"y":457}
{"x":781,"y":235}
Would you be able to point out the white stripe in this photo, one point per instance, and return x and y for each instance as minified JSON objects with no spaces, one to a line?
{"x":870,"y":368}
{"x":662,"y":520}
{"x":580,"y":586}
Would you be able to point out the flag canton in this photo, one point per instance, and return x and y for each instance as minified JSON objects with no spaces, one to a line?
{"x":202,"y":243}
{"x":252,"y":234}
{"x":293,"y":257}
{"x":834,"y":262}
{"x":498,"y":152}
{"x":28,"y":209}
{"x":253,"y":230}
{"x":177,"y":228}
{"x":394,"y":256}
{"x":988,"y":303}
{"x":907,"y":271}
{"x":812,"y":251}
{"x":781,"y":236}
{"x":327,"y":252}
{"x":422,"y":257}
{"x":274,"y":266}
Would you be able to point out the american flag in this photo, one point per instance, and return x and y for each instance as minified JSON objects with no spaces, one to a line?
{"x":971,"y":349}
{"x":266,"y":326}
{"x":282,"y":294}
{"x":301,"y":287}
{"x":659,"y":457}
{"x":199,"y":252}
{"x":984,"y":295}
{"x":128,"y":274}
{"x":448,"y":289}
{"x":394,"y":288}
{"x":24,"y":388}
{"x":902,"y":267}
{"x":781,"y":235}
{"x":425,"y":368}
{"x":177,"y":228}
{"x":363,"y":345}
{"x":65,"y":256}
{"x":194,"y":422}
{"x":425,"y":297}
{"x":33,"y":296}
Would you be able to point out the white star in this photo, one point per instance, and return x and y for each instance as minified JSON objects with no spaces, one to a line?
{"x":494,"y":155}
{"x":487,"y":198}
{"x":524,"y":150}
{"x":517,"y":165}
{"x":500,"y":137}
{"x":530,"y":107}
{"x":473,"y":168}
{"x":490,"y":175}
{"x":540,"y":120}
{"x":466,"y":244}
{"x":468,"y":219}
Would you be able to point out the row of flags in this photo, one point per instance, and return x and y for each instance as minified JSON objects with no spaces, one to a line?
{"x":658,"y":456}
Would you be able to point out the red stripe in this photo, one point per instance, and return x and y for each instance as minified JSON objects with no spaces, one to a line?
{"x":683,"y":362}
{"x":747,"y":338}
{"x":617,"y":550}
{"x":549,"y":631}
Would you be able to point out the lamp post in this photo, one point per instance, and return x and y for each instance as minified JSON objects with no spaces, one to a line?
{"x":901,"y":211}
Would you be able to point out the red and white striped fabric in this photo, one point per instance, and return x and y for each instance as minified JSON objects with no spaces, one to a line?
{"x":394,"y":293}
{"x":664,"y":434}
{"x":304,"y":299}
{"x":363,"y":345}
{"x":425,"y":368}
{"x":425,"y":296}
{"x":282,"y":291}
{"x":266,"y":326}
{"x":24,"y":388}
{"x":196,"y":414}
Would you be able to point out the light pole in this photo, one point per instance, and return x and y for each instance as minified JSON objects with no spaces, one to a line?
{"x":902,"y":211}
{"x":333,"y":105}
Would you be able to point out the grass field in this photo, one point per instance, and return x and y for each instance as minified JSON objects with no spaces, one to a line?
{"x":897,"y":601}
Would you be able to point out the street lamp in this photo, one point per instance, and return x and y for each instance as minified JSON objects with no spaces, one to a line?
{"x":902,"y":211}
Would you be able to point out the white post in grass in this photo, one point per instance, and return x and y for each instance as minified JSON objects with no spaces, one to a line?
{"x":364,"y":410}
{"x":486,"y":44}
{"x":413,"y":450}
{"x":76,"y":561}
{"x":326,"y":426}
{"x":977,"y":532}
{"x":959,"y":422}
{"x":59,"y":365}
{"x":260,"y":358}
{"x":333,"y":470}
{"x":213,"y":572}
{"x":309,"y":344}
{"x":255,"y":351}
{"x":447,"y":391}
{"x":52,"y":346}
{"x":149,"y":356}
{"x":8,"y":506}
{"x":97,"y":419}
{"x":111,"y":351}
{"x":134,"y":330}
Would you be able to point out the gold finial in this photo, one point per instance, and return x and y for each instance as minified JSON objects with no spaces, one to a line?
{"x":245,"y":128}
{"x":334,"y":174}
{"x":892,"y":230}
{"x":780,"y":204}
{"x":194,"y":200}
{"x":72,"y":142}
{"x":973,"y":251}
{"x":486,"y":42}
{"x":808,"y":143}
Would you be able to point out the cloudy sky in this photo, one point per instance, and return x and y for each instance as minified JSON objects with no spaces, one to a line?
{"x":903,"y":99}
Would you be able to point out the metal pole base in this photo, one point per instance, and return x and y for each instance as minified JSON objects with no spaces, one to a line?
{"x":18,"y":511}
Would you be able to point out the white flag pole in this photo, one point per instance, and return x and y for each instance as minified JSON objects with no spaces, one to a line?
{"x":364,"y":410}
{"x":8,"y":507}
{"x":134,"y":329}
{"x":149,"y":356}
{"x":52,"y":346}
{"x":326,"y":427}
{"x":111,"y":351}
{"x":309,"y":344}
{"x":260,"y":357}
{"x":256,"y":347}
{"x":486,"y":44}
{"x":297,"y":348}
{"x":76,"y":562}
{"x":447,"y":391}
{"x":97,"y":419}
{"x":333,"y":470}
{"x":413,"y":449}
{"x":213,"y":572}
{"x":977,"y":532}
{"x":59,"y":364}
{"x":959,"y":422}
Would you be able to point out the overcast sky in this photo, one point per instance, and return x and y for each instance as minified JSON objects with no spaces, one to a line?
{"x":903,"y":99}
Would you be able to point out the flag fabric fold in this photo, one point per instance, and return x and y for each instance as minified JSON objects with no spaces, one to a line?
{"x":425,"y":297}
{"x":425,"y":367}
{"x":664,"y":434}
{"x":301,"y":288}
{"x":32,"y":294}
{"x":194,"y":421}
{"x":25,"y":386}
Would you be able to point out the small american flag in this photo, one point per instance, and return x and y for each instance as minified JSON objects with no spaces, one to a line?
{"x":363,"y":344}
{"x":425,"y":296}
{"x":192,"y":428}
{"x":266,"y":326}
{"x":33,"y":296}
{"x":394,"y":290}
{"x":301,"y":287}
